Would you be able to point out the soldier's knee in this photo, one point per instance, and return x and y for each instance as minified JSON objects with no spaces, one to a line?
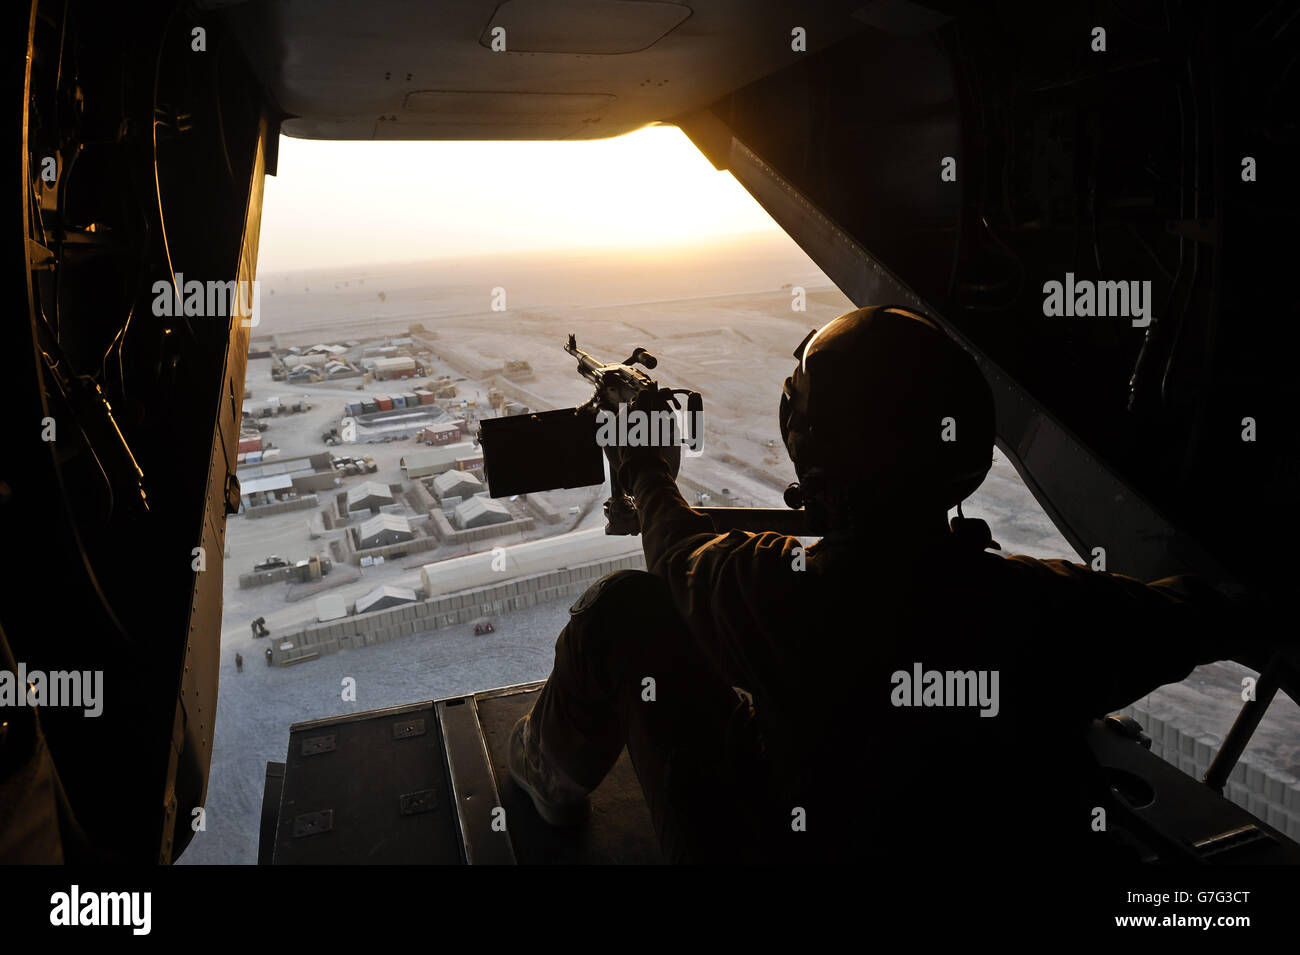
{"x":622,"y":606}
{"x":619,"y":591}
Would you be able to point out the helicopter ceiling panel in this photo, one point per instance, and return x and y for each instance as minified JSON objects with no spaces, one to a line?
{"x":479,"y":69}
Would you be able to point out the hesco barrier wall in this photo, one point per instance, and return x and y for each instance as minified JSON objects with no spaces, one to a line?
{"x":516,"y":392}
{"x":416,"y":545}
{"x":259,"y":577}
{"x":1269,"y":794}
{"x":420,"y":499}
{"x":446,"y":611}
{"x":302,"y":503}
{"x":468,"y":365}
{"x":447,"y":534}
{"x":542,"y":508}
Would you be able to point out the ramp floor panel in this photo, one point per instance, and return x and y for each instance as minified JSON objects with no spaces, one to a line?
{"x":367,"y":788}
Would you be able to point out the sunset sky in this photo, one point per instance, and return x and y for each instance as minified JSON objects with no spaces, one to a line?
{"x":339,"y":203}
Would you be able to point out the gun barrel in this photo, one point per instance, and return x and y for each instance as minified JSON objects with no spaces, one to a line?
{"x":588,"y":366}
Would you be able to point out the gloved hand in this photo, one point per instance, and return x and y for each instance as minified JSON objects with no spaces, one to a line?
{"x":625,"y":460}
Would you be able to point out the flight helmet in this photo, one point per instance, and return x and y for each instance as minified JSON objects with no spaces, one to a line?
{"x":883,"y":401}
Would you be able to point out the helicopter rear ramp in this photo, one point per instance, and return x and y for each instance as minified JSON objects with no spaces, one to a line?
{"x":427,"y":783}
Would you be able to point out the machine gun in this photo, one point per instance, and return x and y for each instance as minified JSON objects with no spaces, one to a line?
{"x":549,"y":450}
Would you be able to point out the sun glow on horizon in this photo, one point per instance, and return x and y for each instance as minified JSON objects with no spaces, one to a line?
{"x":361,"y":203}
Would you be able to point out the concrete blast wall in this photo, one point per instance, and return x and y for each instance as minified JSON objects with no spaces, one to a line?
{"x":279,"y":507}
{"x":446,"y":611}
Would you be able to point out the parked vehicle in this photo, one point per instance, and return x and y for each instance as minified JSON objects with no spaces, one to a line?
{"x":271,"y":563}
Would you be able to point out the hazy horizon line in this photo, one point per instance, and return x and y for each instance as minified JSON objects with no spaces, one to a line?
{"x":724,"y":238}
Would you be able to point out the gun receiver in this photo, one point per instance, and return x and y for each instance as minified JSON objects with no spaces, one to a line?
{"x":615,"y":383}
{"x":549,"y":450}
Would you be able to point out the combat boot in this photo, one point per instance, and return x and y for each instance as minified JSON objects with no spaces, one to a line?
{"x":559,"y":800}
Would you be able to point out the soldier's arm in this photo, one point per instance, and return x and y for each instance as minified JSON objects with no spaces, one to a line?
{"x":726,"y":586}
{"x":1144,"y":635}
{"x":669,"y":526}
{"x":682,"y":545}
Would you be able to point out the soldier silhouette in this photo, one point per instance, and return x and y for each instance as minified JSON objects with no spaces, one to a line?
{"x":764,"y":689}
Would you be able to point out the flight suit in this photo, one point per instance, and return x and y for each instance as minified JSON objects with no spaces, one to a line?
{"x":754,"y":684}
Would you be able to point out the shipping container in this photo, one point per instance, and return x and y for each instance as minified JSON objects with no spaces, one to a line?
{"x":369,"y":406}
{"x":412,"y":399}
{"x":399,"y":401}
{"x":424,"y":397}
{"x":385,"y":403}
{"x":253,"y":457}
{"x":250,"y":444}
{"x":353,"y":408}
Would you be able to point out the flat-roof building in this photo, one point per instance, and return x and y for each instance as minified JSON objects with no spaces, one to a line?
{"x":395,"y":367}
{"x":523,"y":560}
{"x":425,"y":462}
